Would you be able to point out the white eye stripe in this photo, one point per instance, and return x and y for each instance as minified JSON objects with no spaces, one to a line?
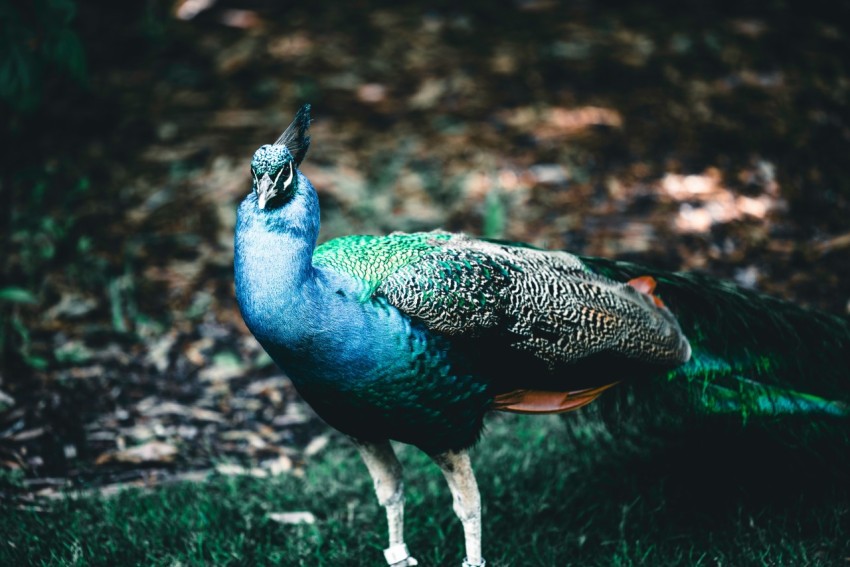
{"x":289,"y":180}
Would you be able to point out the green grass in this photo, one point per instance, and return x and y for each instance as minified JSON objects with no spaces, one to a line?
{"x":556,"y":491}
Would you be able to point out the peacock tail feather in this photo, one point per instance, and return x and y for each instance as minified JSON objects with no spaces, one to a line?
{"x":753,"y":355}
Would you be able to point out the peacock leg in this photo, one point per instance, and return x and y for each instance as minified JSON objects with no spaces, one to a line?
{"x":467,"y":501}
{"x":385,"y":470}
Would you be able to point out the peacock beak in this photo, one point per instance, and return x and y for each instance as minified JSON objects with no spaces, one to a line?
{"x":265,"y":190}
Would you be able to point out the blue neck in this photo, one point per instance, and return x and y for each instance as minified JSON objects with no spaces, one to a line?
{"x":275,"y":278}
{"x":310,"y":319}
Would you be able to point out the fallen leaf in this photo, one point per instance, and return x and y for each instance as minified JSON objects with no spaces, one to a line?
{"x":252,"y":438}
{"x":29,"y":434}
{"x":278,"y":466}
{"x":158,"y":354}
{"x":188,"y":9}
{"x":230,"y":469}
{"x":292,"y":517}
{"x":173,"y":408}
{"x":315,"y":446}
{"x":70,"y":306}
{"x":150,"y":452}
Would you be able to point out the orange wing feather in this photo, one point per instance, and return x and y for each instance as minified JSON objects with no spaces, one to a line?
{"x":646,"y":284}
{"x":541,"y":401}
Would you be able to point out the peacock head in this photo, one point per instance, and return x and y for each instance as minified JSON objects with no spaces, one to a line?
{"x":273,"y":165}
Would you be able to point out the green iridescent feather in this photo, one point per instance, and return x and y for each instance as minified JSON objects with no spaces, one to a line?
{"x":373,"y":258}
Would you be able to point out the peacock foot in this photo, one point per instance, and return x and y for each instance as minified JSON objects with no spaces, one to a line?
{"x":398,"y":556}
{"x":466,"y":563}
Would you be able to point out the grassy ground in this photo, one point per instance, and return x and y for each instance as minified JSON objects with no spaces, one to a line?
{"x":556,"y":491}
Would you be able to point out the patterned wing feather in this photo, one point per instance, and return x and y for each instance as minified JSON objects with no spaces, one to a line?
{"x":549,"y":302}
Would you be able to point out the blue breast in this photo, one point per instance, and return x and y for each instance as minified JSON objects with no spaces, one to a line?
{"x":369,"y":370}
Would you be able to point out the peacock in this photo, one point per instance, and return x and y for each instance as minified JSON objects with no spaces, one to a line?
{"x":416,"y":337}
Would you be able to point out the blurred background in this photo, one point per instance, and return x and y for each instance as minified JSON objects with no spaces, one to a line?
{"x":688,"y":135}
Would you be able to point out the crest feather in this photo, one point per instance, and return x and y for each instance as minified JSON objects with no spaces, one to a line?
{"x":295,"y":137}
